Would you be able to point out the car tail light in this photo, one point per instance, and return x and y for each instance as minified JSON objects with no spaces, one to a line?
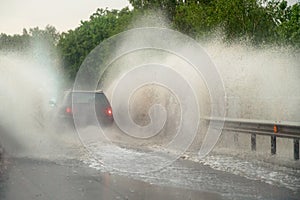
{"x":68,"y":110}
{"x":108,"y":112}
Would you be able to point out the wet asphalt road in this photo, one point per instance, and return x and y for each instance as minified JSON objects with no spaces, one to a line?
{"x":31,"y":179}
{"x":27,"y":179}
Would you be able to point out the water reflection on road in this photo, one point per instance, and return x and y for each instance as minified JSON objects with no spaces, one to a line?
{"x":68,"y":172}
{"x":31,"y":179}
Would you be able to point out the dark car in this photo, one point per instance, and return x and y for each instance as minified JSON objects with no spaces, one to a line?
{"x":88,"y":108}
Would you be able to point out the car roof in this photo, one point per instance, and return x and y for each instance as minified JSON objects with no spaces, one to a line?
{"x":85,"y":91}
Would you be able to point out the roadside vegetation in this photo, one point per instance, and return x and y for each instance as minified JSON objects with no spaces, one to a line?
{"x":259,"y":22}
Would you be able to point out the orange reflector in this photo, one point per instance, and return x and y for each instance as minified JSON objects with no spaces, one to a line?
{"x":275,"y":129}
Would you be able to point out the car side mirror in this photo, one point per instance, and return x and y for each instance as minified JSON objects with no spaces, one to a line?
{"x":52,"y":103}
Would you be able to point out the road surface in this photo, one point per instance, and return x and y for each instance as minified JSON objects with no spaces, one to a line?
{"x":28,"y":179}
{"x":68,"y":173}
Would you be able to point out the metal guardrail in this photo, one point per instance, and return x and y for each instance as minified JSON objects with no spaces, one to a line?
{"x":270,"y":128}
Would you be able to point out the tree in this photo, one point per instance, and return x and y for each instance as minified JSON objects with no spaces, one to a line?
{"x":23,"y":42}
{"x":76,"y":44}
{"x":289,"y":25}
{"x":195,"y":18}
{"x":167,"y":6}
{"x":258,"y":21}
{"x":49,"y":34}
{"x":245,"y":19}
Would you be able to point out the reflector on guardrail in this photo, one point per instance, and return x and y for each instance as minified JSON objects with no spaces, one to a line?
{"x":275,"y":129}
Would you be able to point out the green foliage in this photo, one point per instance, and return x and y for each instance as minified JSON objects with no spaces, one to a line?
{"x":24,"y":42}
{"x":244,"y":19}
{"x":49,"y":34}
{"x":253,"y":20}
{"x":13,"y":43}
{"x":195,"y":18}
{"x":289,"y":28}
{"x":258,"y":21}
{"x":168,"y":6}
{"x":76,"y":44}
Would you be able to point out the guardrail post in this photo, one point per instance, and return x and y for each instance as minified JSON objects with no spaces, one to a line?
{"x":273,"y":144}
{"x":296,"y":149}
{"x":253,"y":142}
{"x":236,"y":139}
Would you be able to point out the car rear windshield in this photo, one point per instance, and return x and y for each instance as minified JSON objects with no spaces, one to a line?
{"x":87,"y":97}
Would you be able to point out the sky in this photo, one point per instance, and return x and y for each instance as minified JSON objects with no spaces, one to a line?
{"x":62,"y":14}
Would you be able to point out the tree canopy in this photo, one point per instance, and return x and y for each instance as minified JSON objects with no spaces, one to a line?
{"x":24,"y":42}
{"x":76,"y":44}
{"x":257,"y":21}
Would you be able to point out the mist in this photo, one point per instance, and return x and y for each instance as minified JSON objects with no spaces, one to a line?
{"x":261,"y":83}
{"x":28,"y":80}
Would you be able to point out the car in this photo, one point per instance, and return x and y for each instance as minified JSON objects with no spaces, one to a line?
{"x":88,"y":108}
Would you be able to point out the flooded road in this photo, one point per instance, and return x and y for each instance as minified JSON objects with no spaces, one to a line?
{"x":45,"y":165}
{"x":228,"y":176}
{"x":32,"y":179}
{"x":80,"y":176}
